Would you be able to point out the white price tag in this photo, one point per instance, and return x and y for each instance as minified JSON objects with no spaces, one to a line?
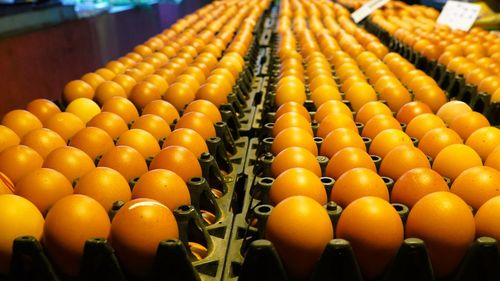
{"x":459,"y":15}
{"x":367,"y":9}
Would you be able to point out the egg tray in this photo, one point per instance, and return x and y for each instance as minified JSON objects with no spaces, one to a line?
{"x":99,"y":262}
{"x":252,"y":257}
{"x":454,"y":85}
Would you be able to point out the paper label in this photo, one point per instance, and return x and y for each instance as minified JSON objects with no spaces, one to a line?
{"x":367,"y":9}
{"x":459,"y":15}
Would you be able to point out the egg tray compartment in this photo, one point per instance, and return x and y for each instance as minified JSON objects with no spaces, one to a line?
{"x":253,"y":258}
{"x":99,"y":262}
{"x":224,"y":178}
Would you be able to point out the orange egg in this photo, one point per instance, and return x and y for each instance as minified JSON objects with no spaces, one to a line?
{"x":445,"y":223}
{"x":144,"y":92}
{"x":489,"y":84}
{"x":294,"y":136}
{"x":153,"y":124}
{"x":142,"y":141}
{"x":295,"y":157}
{"x":396,"y":96}
{"x":19,"y":160}
{"x":187,"y":138}
{"x":115,"y":66}
{"x":127,"y":82}
{"x":43,"y":141}
{"x":163,"y":109}
{"x":84,"y":108}
{"x":126,"y":160}
{"x":334,"y":121}
{"x":70,"y":161}
{"x":291,"y":119}
{"x":179,"y":95}
{"x":452,"y":109}
{"x":346,"y":159}
{"x":105,"y":185}
{"x":107,"y":90}
{"x":330,"y":107}
{"x":370,"y":109}
{"x":21,"y":121}
{"x":388,"y":139}
{"x":205,"y":107}
{"x":19,"y":218}
{"x":412,"y":109}
{"x":43,"y":187}
{"x":484,"y":141}
{"x":341,"y":138}
{"x":423,"y":123}
{"x":198,"y":122}
{"x":452,"y":160}
{"x":467,"y":123}
{"x":8,"y":138}
{"x":93,"y":141}
{"x":164,"y":186}
{"x":176,"y":159}
{"x":65,"y":124}
{"x":123,"y":107}
{"x":436,"y":139}
{"x":136,"y":231}
{"x":401,"y":159}
{"x":77,"y":89}
{"x":477,"y":185}
{"x":325,"y":93}
{"x":415,"y":184}
{"x":291,"y":90}
{"x":293,"y":107}
{"x":356,"y":183}
{"x":300,"y":251}
{"x":432,"y":95}
{"x":321,"y":80}
{"x":110,"y":122}
{"x":379,"y":123}
{"x":359,"y":94}
{"x":93,"y":79}
{"x":375,"y":231}
{"x":70,"y":222}
{"x":487,"y":218}
{"x":42,"y":109}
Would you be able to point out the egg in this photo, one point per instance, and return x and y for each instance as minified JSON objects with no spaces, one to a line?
{"x":18,"y":217}
{"x":299,"y":227}
{"x":137,"y":229}
{"x":297,"y":181}
{"x":177,"y":159}
{"x":164,"y":186}
{"x":43,"y":187}
{"x":105,"y":185}
{"x":69,"y":223}
{"x":375,"y":231}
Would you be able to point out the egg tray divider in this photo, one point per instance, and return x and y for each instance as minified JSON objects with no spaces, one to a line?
{"x":99,"y":262}
{"x":454,"y":85}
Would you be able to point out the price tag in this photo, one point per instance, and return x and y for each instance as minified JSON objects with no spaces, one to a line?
{"x":459,"y":15}
{"x":367,"y":9}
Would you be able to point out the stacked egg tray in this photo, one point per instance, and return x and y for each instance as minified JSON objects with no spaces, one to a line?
{"x":452,"y":83}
